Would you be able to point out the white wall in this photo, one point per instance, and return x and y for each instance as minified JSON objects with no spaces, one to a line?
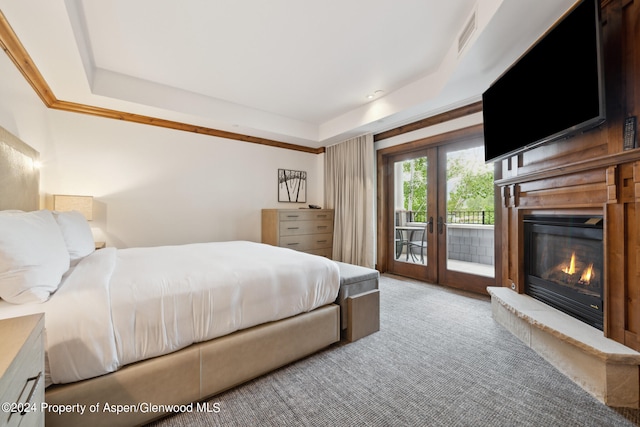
{"x":152,"y":186}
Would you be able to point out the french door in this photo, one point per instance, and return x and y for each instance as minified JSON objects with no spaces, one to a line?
{"x":439,"y":214}
{"x":414,"y":250}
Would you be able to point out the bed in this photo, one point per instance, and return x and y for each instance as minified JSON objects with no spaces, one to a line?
{"x":147,"y":328}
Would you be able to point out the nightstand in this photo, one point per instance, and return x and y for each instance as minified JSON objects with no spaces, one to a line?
{"x":22,"y":371}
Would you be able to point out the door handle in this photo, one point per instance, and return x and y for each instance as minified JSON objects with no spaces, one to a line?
{"x":440,"y":225}
{"x":430,"y":223}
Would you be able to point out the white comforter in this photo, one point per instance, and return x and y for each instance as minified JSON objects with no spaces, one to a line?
{"x":120,"y":306}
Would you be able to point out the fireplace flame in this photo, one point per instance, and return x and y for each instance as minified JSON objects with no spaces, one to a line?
{"x":571,"y":269}
{"x":573,"y":272}
{"x":586,"y":275}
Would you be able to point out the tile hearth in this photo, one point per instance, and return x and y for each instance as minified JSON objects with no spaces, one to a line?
{"x":605,"y":368}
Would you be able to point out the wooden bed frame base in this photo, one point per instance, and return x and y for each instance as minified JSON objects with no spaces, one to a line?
{"x":194,"y":373}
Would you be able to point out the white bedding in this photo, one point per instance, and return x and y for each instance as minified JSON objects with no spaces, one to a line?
{"x":119,"y":306}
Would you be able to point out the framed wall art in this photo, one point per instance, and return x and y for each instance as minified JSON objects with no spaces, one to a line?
{"x":292,"y":186}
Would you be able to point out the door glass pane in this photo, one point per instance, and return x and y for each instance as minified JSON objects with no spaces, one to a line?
{"x":470,"y":212}
{"x":410,"y":200}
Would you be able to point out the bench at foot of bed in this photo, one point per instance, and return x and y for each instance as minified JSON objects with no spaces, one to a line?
{"x":359,"y":300}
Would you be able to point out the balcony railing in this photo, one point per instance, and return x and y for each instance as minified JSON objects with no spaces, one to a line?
{"x":471,"y":217}
{"x":456,"y":217}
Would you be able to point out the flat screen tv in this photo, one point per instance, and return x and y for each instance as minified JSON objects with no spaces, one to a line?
{"x":555,"y":90}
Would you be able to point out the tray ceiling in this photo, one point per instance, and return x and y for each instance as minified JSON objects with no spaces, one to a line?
{"x":292,"y":71}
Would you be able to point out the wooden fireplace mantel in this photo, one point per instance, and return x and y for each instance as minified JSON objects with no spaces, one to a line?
{"x":588,"y":174}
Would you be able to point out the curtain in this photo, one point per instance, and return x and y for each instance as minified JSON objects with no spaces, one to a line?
{"x":349,"y":191}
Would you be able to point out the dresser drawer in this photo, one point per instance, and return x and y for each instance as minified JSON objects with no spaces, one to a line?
{"x":306,"y":242}
{"x":306,"y":215}
{"x":326,"y":252}
{"x":295,"y":228}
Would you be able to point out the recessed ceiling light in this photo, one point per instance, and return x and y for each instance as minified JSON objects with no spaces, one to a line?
{"x":375,"y":94}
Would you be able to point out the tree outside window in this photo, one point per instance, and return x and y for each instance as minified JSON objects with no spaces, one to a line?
{"x":470,"y":187}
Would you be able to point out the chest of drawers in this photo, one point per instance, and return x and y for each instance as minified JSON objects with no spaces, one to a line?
{"x":306,"y":230}
{"x":22,"y":371}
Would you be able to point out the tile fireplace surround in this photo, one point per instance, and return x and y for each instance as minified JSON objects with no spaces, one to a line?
{"x":605,"y":368}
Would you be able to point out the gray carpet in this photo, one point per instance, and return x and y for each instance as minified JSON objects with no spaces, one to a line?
{"x":438,"y":360}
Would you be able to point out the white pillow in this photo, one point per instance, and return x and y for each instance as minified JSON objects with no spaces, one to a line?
{"x":76,"y":233}
{"x":33,"y":256}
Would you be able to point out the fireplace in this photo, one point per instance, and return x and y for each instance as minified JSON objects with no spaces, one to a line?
{"x":564,"y":264}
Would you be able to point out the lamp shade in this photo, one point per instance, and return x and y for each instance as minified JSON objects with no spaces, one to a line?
{"x":82,"y":204}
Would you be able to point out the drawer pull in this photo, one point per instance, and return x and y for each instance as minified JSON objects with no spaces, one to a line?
{"x":321,"y":216}
{"x":27,"y":406}
{"x":293,"y":216}
{"x":293,"y":228}
{"x":292,"y":244}
{"x":321,"y":241}
{"x":36,"y":383}
{"x":321,"y":227}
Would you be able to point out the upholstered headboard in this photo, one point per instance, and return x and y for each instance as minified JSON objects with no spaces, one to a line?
{"x":19,"y":174}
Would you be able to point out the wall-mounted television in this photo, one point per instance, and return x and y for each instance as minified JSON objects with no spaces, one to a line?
{"x":555,"y":90}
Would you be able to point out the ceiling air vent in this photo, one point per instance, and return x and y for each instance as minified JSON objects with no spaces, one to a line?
{"x":467,"y":32}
